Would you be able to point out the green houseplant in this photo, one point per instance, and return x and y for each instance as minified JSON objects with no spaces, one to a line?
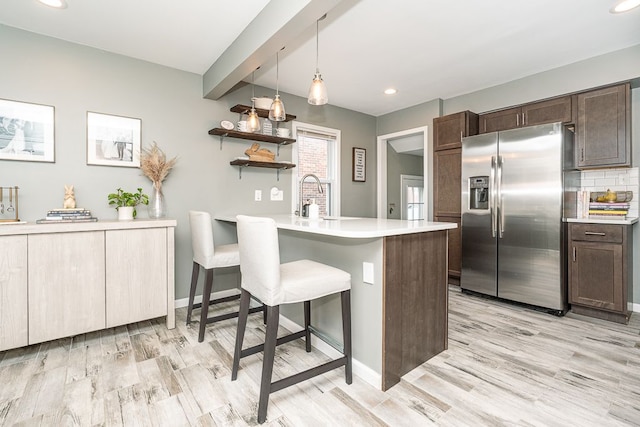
{"x":122,"y":199}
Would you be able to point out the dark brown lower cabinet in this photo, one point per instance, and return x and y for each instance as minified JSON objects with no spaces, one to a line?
{"x":600,"y":270}
{"x":454,"y":249}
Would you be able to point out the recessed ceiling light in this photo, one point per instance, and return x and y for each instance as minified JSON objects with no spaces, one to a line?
{"x":624,"y":6}
{"x":392,"y":91}
{"x":58,"y":4}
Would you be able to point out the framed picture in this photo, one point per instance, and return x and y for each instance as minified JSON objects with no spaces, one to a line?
{"x":359,"y":164}
{"x":113,"y":140}
{"x":26,"y":131}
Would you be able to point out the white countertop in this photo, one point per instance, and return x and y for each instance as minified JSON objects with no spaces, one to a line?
{"x":627,"y":221}
{"x":8,"y":229}
{"x":359,"y":228}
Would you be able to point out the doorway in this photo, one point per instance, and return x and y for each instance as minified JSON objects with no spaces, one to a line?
{"x":412,"y":197}
{"x":406,"y":143}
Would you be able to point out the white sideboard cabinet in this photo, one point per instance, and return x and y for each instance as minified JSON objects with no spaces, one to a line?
{"x":60,"y":280}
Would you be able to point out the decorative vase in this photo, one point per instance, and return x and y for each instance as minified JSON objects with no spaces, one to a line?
{"x":125,"y":213}
{"x":156,"y":204}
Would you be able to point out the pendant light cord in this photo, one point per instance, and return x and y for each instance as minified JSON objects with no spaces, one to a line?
{"x":317,"y":46}
{"x":277,"y":71}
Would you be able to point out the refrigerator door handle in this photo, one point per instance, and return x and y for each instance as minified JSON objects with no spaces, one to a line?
{"x":500,"y":199}
{"x":492,"y":193}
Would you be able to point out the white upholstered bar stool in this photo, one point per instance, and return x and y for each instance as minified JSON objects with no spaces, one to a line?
{"x":209,"y":257}
{"x":264,"y":278}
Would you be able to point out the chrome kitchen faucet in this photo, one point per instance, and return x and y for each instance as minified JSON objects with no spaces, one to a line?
{"x":299,"y":211}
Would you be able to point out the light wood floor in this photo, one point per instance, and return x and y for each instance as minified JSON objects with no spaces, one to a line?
{"x":506,"y":365}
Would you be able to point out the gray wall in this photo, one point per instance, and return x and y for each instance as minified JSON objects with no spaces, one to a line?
{"x":399,"y":164}
{"x":76,"y":79}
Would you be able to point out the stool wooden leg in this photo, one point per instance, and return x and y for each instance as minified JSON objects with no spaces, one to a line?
{"x":345,"y":297}
{"x":307,"y":322}
{"x":273,"y":314}
{"x":206,"y":296}
{"x":192,"y":292}
{"x":243,"y":312}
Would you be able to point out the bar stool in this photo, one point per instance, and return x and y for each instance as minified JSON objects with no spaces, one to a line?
{"x":264,"y":278}
{"x":209,"y":257}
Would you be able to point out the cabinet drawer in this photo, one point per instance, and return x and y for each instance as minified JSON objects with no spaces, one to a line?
{"x":597,"y":233}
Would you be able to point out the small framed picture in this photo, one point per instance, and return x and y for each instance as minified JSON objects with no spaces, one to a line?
{"x":359,"y":164}
{"x":26,"y":131}
{"x":113,"y":140}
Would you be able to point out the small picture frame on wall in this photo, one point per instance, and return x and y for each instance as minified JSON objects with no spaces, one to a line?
{"x":359,"y":164}
{"x":26,"y":131}
{"x":113,"y":140}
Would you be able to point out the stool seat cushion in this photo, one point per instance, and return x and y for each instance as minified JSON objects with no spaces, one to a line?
{"x":305,"y":280}
{"x":224,"y":256}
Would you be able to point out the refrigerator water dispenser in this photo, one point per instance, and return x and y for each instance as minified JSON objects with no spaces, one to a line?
{"x":479,"y":192}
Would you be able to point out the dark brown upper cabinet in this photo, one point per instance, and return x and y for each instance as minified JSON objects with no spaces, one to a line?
{"x":449,"y":130}
{"x":603,"y":128}
{"x":559,"y":109}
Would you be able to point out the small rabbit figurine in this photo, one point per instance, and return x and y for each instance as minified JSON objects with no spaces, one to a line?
{"x":69,"y":197}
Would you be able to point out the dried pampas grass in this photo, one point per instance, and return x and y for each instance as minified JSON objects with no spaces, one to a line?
{"x":154,"y":164}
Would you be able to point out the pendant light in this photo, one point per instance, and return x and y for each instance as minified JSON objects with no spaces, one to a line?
{"x":253,"y":121}
{"x":318,"y":90}
{"x":276,"y":112}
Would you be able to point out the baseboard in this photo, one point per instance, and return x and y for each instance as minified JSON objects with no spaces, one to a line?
{"x":633,"y":306}
{"x":365,"y":373}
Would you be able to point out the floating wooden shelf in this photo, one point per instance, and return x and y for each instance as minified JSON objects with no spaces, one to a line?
{"x":252,"y":163}
{"x":222,"y":133}
{"x":244,"y":109}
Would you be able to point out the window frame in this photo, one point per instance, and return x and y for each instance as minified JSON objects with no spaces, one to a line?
{"x":333,"y":165}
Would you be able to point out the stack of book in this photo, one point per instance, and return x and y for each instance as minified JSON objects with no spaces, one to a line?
{"x":607,"y":210}
{"x":68,"y":215}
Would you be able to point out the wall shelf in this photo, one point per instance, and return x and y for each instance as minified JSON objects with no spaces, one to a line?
{"x":222,"y":133}
{"x":242,"y":163}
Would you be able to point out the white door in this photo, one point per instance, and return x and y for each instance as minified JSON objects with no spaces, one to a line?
{"x":412,"y":197}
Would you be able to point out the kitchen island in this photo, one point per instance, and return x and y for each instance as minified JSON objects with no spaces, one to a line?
{"x":399,"y":288}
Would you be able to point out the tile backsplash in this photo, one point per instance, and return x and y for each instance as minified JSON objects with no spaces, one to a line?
{"x":622,"y":179}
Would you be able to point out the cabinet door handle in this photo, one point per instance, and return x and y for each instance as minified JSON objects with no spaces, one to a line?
{"x":574,"y":254}
{"x":582,"y":154}
{"x":461,"y":136}
{"x":594,"y":233}
{"x":517,"y":119}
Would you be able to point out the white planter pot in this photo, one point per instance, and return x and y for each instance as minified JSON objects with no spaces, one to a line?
{"x":125,"y":213}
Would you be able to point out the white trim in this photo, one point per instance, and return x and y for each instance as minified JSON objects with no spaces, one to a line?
{"x":365,"y":373}
{"x":336,"y":162}
{"x":633,"y":306}
{"x":382,"y":167}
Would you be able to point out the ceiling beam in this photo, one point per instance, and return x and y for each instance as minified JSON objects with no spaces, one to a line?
{"x":279,"y":22}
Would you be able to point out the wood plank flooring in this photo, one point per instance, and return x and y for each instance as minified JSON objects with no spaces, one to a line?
{"x":506,"y":366}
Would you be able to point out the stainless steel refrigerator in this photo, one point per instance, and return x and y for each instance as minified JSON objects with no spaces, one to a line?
{"x":514,"y":197}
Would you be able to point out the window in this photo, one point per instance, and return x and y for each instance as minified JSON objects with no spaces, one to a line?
{"x":316,"y":151}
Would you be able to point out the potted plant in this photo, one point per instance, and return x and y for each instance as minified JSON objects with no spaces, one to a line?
{"x":125,"y":203}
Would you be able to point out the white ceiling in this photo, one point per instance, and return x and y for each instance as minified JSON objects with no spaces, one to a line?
{"x":425,"y":49}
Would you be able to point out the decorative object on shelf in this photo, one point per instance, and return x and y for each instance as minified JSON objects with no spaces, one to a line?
{"x":267,"y":127}
{"x":263,"y":102}
{"x":283,"y":132}
{"x":226,"y":124}
{"x":276,"y":112}
{"x":26,"y":131}
{"x":258,"y":154}
{"x":156,"y":167}
{"x":69,"y":197}
{"x":11,"y":209}
{"x":318,"y":91}
{"x":253,"y":121}
{"x":66,"y":215}
{"x":359,"y":165}
{"x":113,"y":140}
{"x":125,"y":203}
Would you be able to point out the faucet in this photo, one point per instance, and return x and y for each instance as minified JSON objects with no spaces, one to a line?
{"x":299,"y":212}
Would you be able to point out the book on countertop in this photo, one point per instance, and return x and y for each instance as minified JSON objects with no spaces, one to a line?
{"x":58,"y":214}
{"x":65,"y":221}
{"x":608,"y":217}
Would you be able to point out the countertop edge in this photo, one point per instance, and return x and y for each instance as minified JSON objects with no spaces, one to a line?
{"x":628,"y":221}
{"x":33,"y":228}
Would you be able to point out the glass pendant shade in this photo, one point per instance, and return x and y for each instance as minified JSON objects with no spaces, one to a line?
{"x":318,"y":91}
{"x":276,"y":112}
{"x":253,"y":121}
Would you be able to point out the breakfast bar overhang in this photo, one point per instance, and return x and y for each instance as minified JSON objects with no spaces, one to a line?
{"x":399,"y":287}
